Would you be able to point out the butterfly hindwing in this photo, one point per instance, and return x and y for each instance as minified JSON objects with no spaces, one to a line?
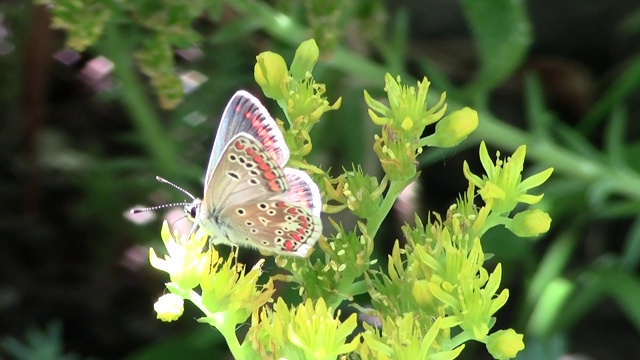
{"x":275,"y":226}
{"x":302,"y":190}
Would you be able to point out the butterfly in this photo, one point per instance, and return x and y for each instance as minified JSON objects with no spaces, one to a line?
{"x":251,"y":199}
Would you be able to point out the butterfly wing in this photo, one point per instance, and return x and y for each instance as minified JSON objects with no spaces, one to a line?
{"x":287,"y":224}
{"x":245,"y":173}
{"x":245,"y":114}
{"x":275,"y":226}
{"x":302,"y":190}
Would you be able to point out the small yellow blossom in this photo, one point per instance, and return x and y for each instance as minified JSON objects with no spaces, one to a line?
{"x":453,"y":128}
{"x":185,"y":261}
{"x":311,"y":331}
{"x":505,"y":344}
{"x":530,"y":223}
{"x":169,"y":307}
{"x":503,"y":180}
{"x":270,"y":73}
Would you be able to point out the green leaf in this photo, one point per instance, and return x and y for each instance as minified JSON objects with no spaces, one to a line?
{"x":625,"y":86}
{"x":503,"y":36}
{"x":550,"y":307}
{"x":631,"y":252}
{"x":604,"y":281}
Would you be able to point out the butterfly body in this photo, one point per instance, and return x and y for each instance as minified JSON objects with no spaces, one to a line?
{"x":251,"y":198}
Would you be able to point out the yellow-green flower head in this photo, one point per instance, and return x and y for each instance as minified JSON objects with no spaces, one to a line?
{"x":309,"y":331}
{"x":362,"y":192}
{"x":468,"y":291}
{"x":294,"y":89}
{"x":407,"y":111}
{"x":397,"y":157}
{"x":406,"y":337}
{"x":169,"y":307}
{"x":306,"y":102}
{"x":480,"y":302}
{"x":228,"y":289}
{"x":422,"y":294}
{"x":185,"y":262}
{"x":505,"y":344}
{"x":530,"y":223}
{"x":502,"y":186}
{"x":453,"y":128}
{"x":333,"y":193}
{"x":347,"y":257}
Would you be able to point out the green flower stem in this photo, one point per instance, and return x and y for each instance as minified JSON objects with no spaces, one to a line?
{"x":374,"y":222}
{"x":357,"y":288}
{"x":459,"y":339}
{"x":118,"y":47}
{"x":226,"y":328}
{"x":345,"y":292}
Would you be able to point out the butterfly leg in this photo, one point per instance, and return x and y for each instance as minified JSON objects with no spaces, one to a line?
{"x":236,"y":250}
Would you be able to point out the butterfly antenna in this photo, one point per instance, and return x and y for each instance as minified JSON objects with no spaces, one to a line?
{"x":153,"y":208}
{"x":163,"y":180}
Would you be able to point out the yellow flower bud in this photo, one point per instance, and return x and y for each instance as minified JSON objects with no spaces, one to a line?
{"x":505,"y":344}
{"x":454,"y":128}
{"x":422,"y":294}
{"x":169,"y":307}
{"x":271,"y":73}
{"x":530,"y":223}
{"x":304,"y":60}
{"x":407,"y":124}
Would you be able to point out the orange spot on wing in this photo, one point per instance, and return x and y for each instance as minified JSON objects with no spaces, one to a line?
{"x":289,"y":245}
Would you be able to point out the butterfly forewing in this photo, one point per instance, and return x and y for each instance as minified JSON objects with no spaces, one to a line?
{"x":245,"y":114}
{"x":244,"y":173}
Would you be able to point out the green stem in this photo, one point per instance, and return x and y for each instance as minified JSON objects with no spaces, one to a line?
{"x":226,"y":328}
{"x":374,"y":222}
{"x":133,"y":97}
{"x":459,"y":339}
{"x":357,"y":288}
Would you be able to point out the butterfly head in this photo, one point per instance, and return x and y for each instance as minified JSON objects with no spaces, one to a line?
{"x":191,"y":209}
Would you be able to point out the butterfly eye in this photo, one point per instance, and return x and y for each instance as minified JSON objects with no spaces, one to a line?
{"x":191,"y":210}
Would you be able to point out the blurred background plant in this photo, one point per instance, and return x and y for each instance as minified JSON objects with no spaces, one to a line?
{"x":127,"y":90}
